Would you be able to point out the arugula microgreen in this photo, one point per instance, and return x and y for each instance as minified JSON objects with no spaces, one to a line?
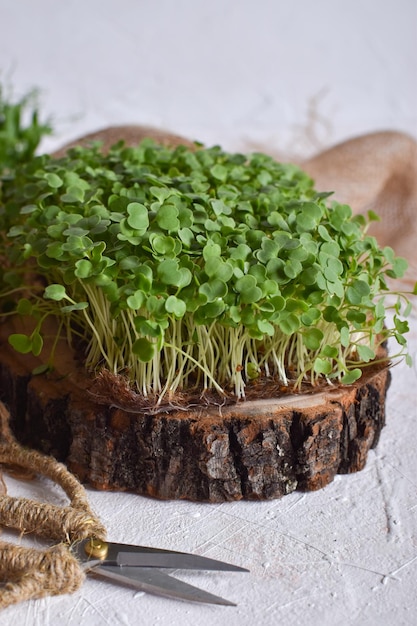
{"x":197,"y":268}
{"x":20,"y":129}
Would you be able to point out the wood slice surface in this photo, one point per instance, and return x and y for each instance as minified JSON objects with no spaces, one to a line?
{"x":253,"y":450}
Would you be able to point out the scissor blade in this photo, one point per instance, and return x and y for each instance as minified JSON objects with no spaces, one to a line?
{"x":154,"y":581}
{"x":123,"y":554}
{"x":174,"y":560}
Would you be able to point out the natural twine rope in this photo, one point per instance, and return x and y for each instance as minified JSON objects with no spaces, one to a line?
{"x":31,"y":573}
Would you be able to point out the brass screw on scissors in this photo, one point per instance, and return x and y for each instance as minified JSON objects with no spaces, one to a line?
{"x":96,"y":548}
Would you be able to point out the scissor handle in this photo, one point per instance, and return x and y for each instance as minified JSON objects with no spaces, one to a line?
{"x":28,"y":572}
{"x":46,"y":520}
{"x":13,"y":453}
{"x":70,"y":523}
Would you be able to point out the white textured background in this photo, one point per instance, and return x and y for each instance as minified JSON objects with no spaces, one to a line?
{"x":292,"y":77}
{"x":224,"y":70}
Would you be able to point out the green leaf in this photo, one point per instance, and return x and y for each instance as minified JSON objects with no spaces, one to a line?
{"x":213,"y":289}
{"x":401,"y":326}
{"x":292,"y":268}
{"x":24,"y":307}
{"x":373,"y":217}
{"x":77,"y":306}
{"x":278,"y":302}
{"x":389,"y":254}
{"x":311,"y":317}
{"x":186,"y":235}
{"x":219,"y":172}
{"x":176,"y":306}
{"x":163,"y":245}
{"x":248,"y":289}
{"x":269,"y":250}
{"x":211,"y":310}
{"x":322,"y":366}
{"x":365,"y":353}
{"x":55,"y":292}
{"x":211,"y":249}
{"x":351,"y":376}
{"x":73,"y":195}
{"x":84,"y":268}
{"x":324,"y":233}
{"x":138,"y":216}
{"x":131,"y":262}
{"x":37,"y":344}
{"x":21,"y":343}
{"x":339,"y":214}
{"x":215,"y":267}
{"x":252,"y":371}
{"x":312,"y":338}
{"x":54,"y":180}
{"x":289,"y":323}
{"x":144,"y":349}
{"x":329,"y":351}
{"x":161,"y":193}
{"x":185,"y":277}
{"x":55,"y":250}
{"x":28,"y":209}
{"x":148,"y":327}
{"x":136,"y":300}
{"x":330,"y":249}
{"x":357,"y":292}
{"x":269,"y":288}
{"x":266,"y":328}
{"x":167,"y":217}
{"x":143,"y":277}
{"x":220,"y":207}
{"x":309,"y":216}
{"x":335,"y":288}
{"x":168,"y":272}
{"x":41,"y":369}
{"x":399,"y":267}
{"x":241,"y":252}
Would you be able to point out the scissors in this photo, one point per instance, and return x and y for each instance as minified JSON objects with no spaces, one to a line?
{"x":82,"y":537}
{"x":142,"y":568}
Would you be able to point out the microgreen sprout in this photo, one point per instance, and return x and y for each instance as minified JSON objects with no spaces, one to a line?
{"x":197,"y":268}
{"x":20,"y":129}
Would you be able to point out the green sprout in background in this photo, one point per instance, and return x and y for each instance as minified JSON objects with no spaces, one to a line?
{"x":196,"y":269}
{"x":20,"y":129}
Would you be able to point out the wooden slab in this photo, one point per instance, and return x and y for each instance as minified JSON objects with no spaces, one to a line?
{"x":252,"y":450}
